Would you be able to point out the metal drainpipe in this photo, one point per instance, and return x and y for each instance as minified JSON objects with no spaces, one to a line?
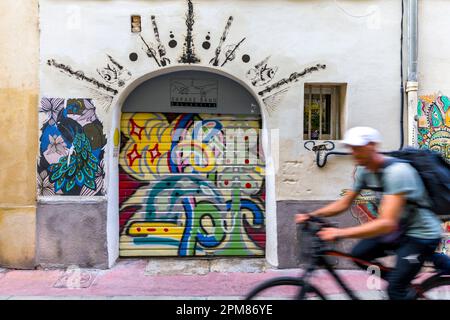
{"x":412,"y":84}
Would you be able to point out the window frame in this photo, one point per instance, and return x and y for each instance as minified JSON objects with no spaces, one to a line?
{"x":334,"y":90}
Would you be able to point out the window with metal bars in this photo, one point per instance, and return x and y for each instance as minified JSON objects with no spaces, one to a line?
{"x":321,"y":118}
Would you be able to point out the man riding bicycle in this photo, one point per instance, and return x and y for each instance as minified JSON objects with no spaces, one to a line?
{"x":411,"y":231}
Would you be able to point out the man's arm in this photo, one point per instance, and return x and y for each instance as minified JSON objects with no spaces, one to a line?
{"x":390,"y":210}
{"x":330,"y":210}
{"x":340,"y":205}
{"x":337,"y":206}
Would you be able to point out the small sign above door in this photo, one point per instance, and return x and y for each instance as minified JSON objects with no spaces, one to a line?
{"x":186,"y":92}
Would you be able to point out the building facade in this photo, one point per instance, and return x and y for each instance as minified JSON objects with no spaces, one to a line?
{"x":199,"y":128}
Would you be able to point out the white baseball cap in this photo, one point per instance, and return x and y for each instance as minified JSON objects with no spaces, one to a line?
{"x":361,"y":136}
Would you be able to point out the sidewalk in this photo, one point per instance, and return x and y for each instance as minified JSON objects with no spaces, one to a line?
{"x":150,"y":279}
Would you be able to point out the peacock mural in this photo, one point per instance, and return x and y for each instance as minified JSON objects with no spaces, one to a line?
{"x":72,"y":148}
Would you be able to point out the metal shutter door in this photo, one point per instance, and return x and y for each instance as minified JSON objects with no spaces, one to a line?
{"x":191,"y":185}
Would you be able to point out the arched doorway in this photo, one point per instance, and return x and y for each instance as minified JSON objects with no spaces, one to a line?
{"x":191,"y":168}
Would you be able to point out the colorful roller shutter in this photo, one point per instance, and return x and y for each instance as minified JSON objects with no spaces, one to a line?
{"x":191,"y":185}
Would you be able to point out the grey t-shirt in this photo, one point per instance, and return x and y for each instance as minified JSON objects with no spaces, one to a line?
{"x":401,"y":177}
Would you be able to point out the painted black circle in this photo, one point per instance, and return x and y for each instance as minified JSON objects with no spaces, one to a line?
{"x":206,"y":45}
{"x":208,"y":38}
{"x":172,"y":43}
{"x":133,"y":56}
{"x":246,"y":58}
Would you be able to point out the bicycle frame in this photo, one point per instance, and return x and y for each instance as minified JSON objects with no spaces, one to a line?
{"x":319,"y":254}
{"x":319,"y":260}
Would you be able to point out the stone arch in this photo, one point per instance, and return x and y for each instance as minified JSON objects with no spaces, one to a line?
{"x":268,"y":138}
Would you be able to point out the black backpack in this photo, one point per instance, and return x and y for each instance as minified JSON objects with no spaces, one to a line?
{"x":435,"y":174}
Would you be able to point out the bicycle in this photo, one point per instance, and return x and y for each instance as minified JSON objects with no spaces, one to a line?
{"x":439,"y":281}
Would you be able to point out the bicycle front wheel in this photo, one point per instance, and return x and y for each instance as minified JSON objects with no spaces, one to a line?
{"x":435,"y":288}
{"x":284,"y":288}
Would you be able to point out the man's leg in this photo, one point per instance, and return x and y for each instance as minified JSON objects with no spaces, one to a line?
{"x":410,"y":258}
{"x":441,"y":261}
{"x":371,"y":249}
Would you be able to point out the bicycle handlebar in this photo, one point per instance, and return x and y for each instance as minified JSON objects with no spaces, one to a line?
{"x":317,"y":219}
{"x":312,"y":226}
{"x":316,"y":223}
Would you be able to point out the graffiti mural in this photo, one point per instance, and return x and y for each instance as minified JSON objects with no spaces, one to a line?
{"x":365,"y":209}
{"x":71,"y":149}
{"x":191,"y":184}
{"x":79,"y":75}
{"x":115,"y":76}
{"x":433,"y":113}
{"x":230,"y":54}
{"x":215,"y":61}
{"x":434,"y":133}
{"x":445,"y":241}
{"x":150,"y":51}
{"x":365,"y":206}
{"x":294,"y":77}
{"x":262,"y":73}
{"x":114,"y":73}
{"x":189,"y":47}
{"x":272,"y":101}
{"x":161,"y":49}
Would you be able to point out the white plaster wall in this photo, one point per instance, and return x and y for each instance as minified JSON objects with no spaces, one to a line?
{"x":434,"y":47}
{"x":363,"y":52}
{"x":433,"y":69}
{"x":359,"y":41}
